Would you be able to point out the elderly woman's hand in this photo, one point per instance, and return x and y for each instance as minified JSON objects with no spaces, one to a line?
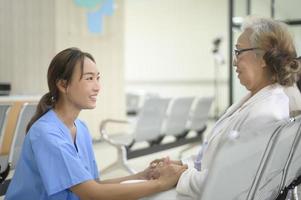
{"x":169,"y":174}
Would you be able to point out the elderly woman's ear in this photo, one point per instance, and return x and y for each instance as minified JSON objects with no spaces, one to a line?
{"x":263,"y":63}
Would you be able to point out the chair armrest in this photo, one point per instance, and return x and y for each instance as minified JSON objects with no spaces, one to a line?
{"x":102,"y":130}
{"x":104,"y":123}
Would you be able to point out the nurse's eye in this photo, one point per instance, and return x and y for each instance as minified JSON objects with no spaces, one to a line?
{"x":90,"y":78}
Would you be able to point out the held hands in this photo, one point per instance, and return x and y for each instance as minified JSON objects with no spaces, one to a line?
{"x":164,"y":171}
{"x":151,"y":172}
{"x":167,"y":172}
{"x":154,"y":173}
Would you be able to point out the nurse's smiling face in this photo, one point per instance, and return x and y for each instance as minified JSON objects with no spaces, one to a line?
{"x":82,"y":90}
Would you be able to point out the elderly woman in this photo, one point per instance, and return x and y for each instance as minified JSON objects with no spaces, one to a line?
{"x":266,"y":62}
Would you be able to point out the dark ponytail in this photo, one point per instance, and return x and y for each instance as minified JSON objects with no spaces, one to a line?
{"x":61,"y":68}
{"x":45,"y":103}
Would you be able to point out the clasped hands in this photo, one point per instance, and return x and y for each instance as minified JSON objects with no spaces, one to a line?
{"x":164,"y":170}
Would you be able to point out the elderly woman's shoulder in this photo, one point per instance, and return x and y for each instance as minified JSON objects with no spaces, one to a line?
{"x":276,"y":105}
{"x":294,"y":96}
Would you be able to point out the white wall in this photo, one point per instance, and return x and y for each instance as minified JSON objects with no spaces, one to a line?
{"x":26,"y":38}
{"x":168,"y":46}
{"x":107,"y":48}
{"x":33,"y":31}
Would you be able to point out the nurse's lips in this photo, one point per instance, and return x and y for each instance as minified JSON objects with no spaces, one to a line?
{"x":93,"y":97}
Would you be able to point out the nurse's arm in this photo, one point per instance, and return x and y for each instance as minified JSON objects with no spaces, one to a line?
{"x":92,"y":190}
{"x":139,"y":176}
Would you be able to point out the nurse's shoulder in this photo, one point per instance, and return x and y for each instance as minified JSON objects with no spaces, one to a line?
{"x":46,"y":126}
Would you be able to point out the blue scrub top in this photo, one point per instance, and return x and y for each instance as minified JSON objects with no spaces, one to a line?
{"x":50,"y":162}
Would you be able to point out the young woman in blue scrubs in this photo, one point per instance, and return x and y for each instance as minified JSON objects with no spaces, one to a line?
{"x":57,"y":160}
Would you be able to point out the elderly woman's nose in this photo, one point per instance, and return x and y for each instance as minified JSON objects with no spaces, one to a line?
{"x":234,"y":61}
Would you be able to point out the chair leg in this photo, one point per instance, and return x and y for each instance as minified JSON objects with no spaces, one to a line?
{"x":295,"y":193}
{"x":120,"y":163}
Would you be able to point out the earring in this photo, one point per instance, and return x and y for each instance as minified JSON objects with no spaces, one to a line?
{"x":52,"y":99}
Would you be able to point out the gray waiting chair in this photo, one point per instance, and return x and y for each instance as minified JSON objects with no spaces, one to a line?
{"x":27,"y":112}
{"x":8,"y":162}
{"x":148,"y":128}
{"x":234,"y":165}
{"x":132,"y":103}
{"x":267,"y":184}
{"x":236,"y":162}
{"x":198,"y":119}
{"x":178,"y":116}
{"x":200,"y":114}
{"x":292,"y":175}
{"x":4,"y":110}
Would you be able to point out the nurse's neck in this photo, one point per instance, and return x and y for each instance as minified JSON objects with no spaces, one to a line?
{"x":67,"y":114}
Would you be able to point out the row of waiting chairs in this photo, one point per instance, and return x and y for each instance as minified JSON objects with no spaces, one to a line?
{"x":157,"y":119}
{"x":13,"y":121}
{"x":253,"y":165}
{"x":134,"y":101}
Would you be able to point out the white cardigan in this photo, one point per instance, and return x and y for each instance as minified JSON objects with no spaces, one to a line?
{"x":268,"y":105}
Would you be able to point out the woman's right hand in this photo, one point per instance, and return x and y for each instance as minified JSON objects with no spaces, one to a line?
{"x":169,"y":174}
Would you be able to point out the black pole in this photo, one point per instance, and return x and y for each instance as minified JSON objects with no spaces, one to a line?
{"x":248,"y":7}
{"x":230,"y":51}
{"x":273,"y":9}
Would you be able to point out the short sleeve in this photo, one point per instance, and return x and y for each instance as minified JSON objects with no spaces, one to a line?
{"x":57,"y":160}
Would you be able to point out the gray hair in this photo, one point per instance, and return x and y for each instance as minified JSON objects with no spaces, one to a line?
{"x":259,"y":26}
{"x":276,"y":45}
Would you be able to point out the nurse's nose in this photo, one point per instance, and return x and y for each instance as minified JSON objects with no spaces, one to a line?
{"x":97,"y":86}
